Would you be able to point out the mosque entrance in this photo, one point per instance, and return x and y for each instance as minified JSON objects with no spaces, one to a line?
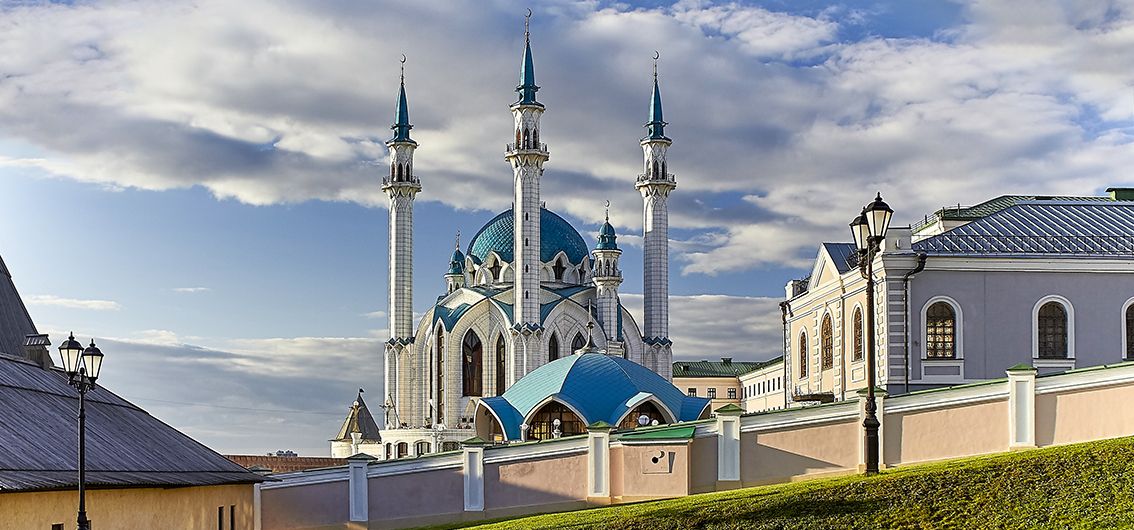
{"x":543,"y":422}
{"x":647,"y":409}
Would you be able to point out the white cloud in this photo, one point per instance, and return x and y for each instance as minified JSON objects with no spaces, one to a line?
{"x":73,"y":303}
{"x":191,"y":289}
{"x":375,"y":314}
{"x":714,"y":326}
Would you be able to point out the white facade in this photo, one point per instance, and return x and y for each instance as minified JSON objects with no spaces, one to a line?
{"x":763,"y":389}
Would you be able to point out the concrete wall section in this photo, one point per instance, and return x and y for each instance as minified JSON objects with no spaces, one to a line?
{"x":651,"y":471}
{"x":785,"y":453}
{"x":949,"y":432}
{"x":190,"y":508}
{"x":533,"y":482}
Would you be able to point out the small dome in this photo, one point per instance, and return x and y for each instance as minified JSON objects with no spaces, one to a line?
{"x":607,"y":238}
{"x":457,"y":262}
{"x":599,"y":387}
{"x":555,"y":234}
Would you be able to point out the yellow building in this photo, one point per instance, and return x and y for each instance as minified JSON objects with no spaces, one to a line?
{"x":716,"y":380}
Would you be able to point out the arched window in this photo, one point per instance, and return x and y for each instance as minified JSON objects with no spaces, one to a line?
{"x":558,"y":269}
{"x":827,"y":343}
{"x":439,"y":377}
{"x":403,"y":449}
{"x":535,"y":139}
{"x":940,"y":331}
{"x":389,"y":450}
{"x":1130,"y":331}
{"x":578,"y":343}
{"x":527,"y":139}
{"x":542,"y":426}
{"x":501,"y":370}
{"x":1051,"y":331}
{"x":472,"y":357}
{"x":553,"y":348}
{"x":856,"y":328}
{"x":648,"y":409}
{"x":802,"y":354}
{"x":421,"y":448}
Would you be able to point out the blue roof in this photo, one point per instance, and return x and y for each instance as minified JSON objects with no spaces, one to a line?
{"x":457,"y":262}
{"x":845,"y":255}
{"x":599,"y":387}
{"x":656,"y":125}
{"x":555,"y":234}
{"x":1043,"y":228}
{"x":607,"y":239}
{"x":402,"y":125}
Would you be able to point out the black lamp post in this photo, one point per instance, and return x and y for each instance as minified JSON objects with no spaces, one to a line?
{"x":869,"y":230}
{"x":82,"y":367}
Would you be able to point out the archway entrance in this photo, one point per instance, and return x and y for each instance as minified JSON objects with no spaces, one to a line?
{"x":542,"y":425}
{"x":647,"y":409}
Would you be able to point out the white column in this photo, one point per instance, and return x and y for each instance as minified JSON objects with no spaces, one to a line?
{"x":598,"y":462}
{"x":358,"y":493}
{"x":1021,"y":407}
{"x":728,"y":443}
{"x":473,"y":470}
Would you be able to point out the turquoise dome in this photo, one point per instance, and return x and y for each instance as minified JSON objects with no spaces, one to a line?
{"x":555,"y":234}
{"x":607,"y":239}
{"x":457,"y":262}
{"x":600,"y":387}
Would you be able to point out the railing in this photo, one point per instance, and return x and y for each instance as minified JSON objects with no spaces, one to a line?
{"x":1016,"y":244}
{"x":386,"y":181}
{"x":542,"y":148}
{"x":667,"y":177}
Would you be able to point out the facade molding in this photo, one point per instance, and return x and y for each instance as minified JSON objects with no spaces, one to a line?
{"x":1070,"y":310}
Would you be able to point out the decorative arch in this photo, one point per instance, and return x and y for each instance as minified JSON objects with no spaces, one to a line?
{"x":553,"y":347}
{"x":472,"y":361}
{"x":630,"y":417}
{"x":858,"y":341}
{"x":578,"y":342}
{"x":541,"y":420}
{"x":826,"y":343}
{"x":942,"y":329}
{"x":1128,"y":329}
{"x":802,"y":351}
{"x":1053,"y":328}
{"x":501,"y":356}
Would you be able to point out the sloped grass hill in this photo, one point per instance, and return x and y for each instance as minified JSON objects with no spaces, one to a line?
{"x":1088,"y":485}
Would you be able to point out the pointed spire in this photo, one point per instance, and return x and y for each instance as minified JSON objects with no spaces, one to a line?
{"x":402,"y":125}
{"x":527,"y":87}
{"x":656,"y":125}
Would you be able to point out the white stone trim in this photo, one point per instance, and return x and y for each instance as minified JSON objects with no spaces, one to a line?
{"x":549,"y":399}
{"x":958,"y":328}
{"x":598,"y":463}
{"x":1087,"y":379}
{"x":563,"y":447}
{"x":670,"y":417}
{"x":472,"y":462}
{"x":1021,"y":409}
{"x":799,"y":417}
{"x":946,"y":398}
{"x":728,"y":448}
{"x":1122,"y":318}
{"x":1070,"y":309}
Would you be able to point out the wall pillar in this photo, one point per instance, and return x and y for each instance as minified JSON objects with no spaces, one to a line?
{"x":598,"y":462}
{"x":1021,"y":407}
{"x":728,"y":445}
{"x":257,"y":508}
{"x":358,"y":493}
{"x":880,"y":413}
{"x":472,"y":467}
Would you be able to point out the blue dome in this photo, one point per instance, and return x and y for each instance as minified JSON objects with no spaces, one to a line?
{"x":457,"y":262}
{"x":599,"y":387}
{"x":555,"y":234}
{"x":607,"y":239}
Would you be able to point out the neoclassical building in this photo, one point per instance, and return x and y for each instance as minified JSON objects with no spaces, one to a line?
{"x":520,"y":295}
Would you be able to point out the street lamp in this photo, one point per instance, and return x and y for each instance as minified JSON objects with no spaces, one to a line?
{"x":869,"y":230}
{"x":82,"y":367}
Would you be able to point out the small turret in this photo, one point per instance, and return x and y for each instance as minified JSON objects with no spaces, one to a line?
{"x":607,"y":276}
{"x":455,"y":278}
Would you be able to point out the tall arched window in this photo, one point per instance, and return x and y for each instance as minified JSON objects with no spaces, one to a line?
{"x":553,"y":348}
{"x":472,"y":357}
{"x":827,"y":343}
{"x":940,"y":331}
{"x":802,"y":354}
{"x":501,"y":352}
{"x":1130,"y":331}
{"x":578,"y":343}
{"x":542,"y":424}
{"x":439,"y":377}
{"x":856,"y":328}
{"x":558,"y":269}
{"x":1051,"y":329}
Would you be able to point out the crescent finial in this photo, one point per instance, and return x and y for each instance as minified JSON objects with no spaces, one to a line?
{"x":656,"y":55}
{"x":403,"y":58}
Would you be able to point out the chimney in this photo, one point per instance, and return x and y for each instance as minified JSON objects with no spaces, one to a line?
{"x":726,"y":360}
{"x":1121,"y":194}
{"x":36,"y":348}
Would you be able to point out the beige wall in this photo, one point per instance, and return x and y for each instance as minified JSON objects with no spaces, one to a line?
{"x":1076,"y":416}
{"x":190,"y":508}
{"x":703,"y":384}
{"x":399,"y":496}
{"x":782,"y":454}
{"x":534,"y":482}
{"x":949,"y":432}
{"x":775,"y":386}
{"x":703,"y":462}
{"x":309,"y":506}
{"x":640,"y":476}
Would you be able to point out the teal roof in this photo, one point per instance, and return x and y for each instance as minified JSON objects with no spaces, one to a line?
{"x":599,"y":387}
{"x":607,"y":239}
{"x":457,"y":262}
{"x":402,"y":125}
{"x":656,"y":125}
{"x":555,"y":234}
{"x":527,"y":87}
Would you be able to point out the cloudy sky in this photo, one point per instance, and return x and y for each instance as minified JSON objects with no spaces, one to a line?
{"x":196,"y":184}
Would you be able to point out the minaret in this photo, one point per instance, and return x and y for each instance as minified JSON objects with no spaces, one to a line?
{"x":401,"y":186}
{"x":655,"y":184}
{"x":607,"y":277}
{"x":455,"y":278}
{"x":526,"y":156}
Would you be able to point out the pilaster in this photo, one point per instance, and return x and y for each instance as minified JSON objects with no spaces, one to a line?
{"x":1021,"y":407}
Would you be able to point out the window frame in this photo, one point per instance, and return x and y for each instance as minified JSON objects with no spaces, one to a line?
{"x":958,"y":331}
{"x":858,"y":338}
{"x":1069,"y":309}
{"x":1127,"y":345}
{"x":826,"y":343}
{"x":802,"y":352}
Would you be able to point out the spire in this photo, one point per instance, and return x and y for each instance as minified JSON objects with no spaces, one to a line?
{"x":457,"y":261}
{"x":606,"y":236}
{"x":527,"y":87}
{"x":656,"y":125}
{"x":402,"y":125}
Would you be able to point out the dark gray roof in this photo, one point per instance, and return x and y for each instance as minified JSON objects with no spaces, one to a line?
{"x":845,"y":255}
{"x":1101,"y":229}
{"x":126,"y":447}
{"x":991,"y":206}
{"x":361,"y":421}
{"x":15,"y":323}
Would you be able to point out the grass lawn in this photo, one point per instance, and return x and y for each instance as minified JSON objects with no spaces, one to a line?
{"x":1087,"y":485}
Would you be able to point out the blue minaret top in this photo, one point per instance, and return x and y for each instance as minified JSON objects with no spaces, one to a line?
{"x":656,"y":125}
{"x":607,"y":239}
{"x":527,"y":87}
{"x":457,"y":261}
{"x":402,"y":125}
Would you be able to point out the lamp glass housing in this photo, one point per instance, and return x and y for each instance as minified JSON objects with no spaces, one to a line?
{"x":70,"y":351}
{"x":860,"y":229}
{"x":92,"y":361}
{"x":878,"y":215}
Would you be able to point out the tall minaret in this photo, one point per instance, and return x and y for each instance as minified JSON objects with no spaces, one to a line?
{"x":526,"y":156}
{"x":607,"y":277}
{"x":401,"y":186}
{"x":655,"y":184}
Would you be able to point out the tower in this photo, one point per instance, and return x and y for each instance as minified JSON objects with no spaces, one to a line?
{"x":526,"y":156}
{"x":455,"y":278}
{"x":607,"y":277}
{"x":401,"y":186}
{"x":655,"y":184}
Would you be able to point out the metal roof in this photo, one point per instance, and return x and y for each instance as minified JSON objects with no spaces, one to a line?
{"x":845,"y":255}
{"x":555,"y":234}
{"x":599,"y":387}
{"x":991,"y":206}
{"x":1101,"y":229}
{"x":15,"y":323}
{"x":359,"y":420}
{"x":126,"y":447}
{"x":720,"y":368}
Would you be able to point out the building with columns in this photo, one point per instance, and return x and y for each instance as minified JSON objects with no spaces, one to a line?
{"x":527,"y":290}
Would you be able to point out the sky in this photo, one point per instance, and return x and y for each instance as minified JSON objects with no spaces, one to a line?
{"x":196,"y":184}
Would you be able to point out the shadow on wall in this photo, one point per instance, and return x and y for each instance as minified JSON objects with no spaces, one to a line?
{"x":786,"y":464}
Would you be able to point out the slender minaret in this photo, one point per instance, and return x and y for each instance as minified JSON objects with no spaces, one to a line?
{"x":401,"y":186}
{"x":655,"y":184}
{"x":607,"y":277}
{"x":527,"y":156}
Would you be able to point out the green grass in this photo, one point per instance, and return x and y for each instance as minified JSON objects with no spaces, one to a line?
{"x":1087,"y":485}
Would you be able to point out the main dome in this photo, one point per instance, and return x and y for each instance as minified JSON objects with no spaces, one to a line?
{"x":556,"y":234}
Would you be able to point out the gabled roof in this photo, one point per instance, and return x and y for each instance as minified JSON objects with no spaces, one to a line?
{"x":126,"y":447}
{"x":991,"y":206}
{"x":844,"y":255}
{"x":15,"y":323}
{"x":359,"y":420}
{"x":1097,"y":229}
{"x":715,"y":368}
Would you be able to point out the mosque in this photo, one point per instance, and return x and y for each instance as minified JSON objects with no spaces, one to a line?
{"x":526,"y":292}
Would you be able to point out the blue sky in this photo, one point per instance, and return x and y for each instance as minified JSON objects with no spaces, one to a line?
{"x":197,"y":185}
